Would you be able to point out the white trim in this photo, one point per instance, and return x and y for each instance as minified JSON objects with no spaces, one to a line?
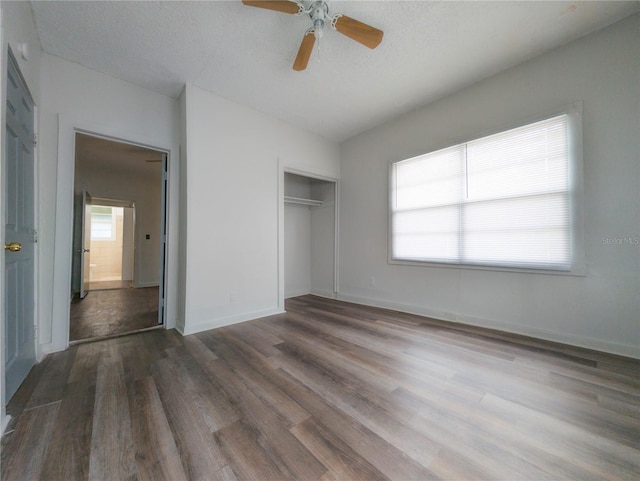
{"x":326,"y":294}
{"x":147,"y":284}
{"x":298,"y":292}
{"x":305,"y":202}
{"x":530,"y":331}
{"x":228,"y":321}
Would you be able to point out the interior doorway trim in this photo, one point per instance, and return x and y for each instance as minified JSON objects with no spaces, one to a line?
{"x":282,"y":170}
{"x":54,"y":335}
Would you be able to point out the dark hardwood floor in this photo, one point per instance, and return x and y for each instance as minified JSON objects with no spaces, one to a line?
{"x":113,"y":312}
{"x":327,"y":391}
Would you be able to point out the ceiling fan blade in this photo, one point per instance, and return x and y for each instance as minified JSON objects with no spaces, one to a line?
{"x":283,"y":6}
{"x":358,"y":31}
{"x":304,"y":53}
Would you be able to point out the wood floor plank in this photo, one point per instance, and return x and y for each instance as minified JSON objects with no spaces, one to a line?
{"x":216,"y":410}
{"x":358,"y":402}
{"x":23,"y":450}
{"x":156,"y":454}
{"x":112,"y":455}
{"x":384,"y":456}
{"x":200,"y":455}
{"x":246,"y":366}
{"x":340,"y":459}
{"x":112,"y":312}
{"x":594,"y":452}
{"x":19,"y":401}
{"x":283,"y":448}
{"x":85,"y":362}
{"x":248,"y":460}
{"x":137,"y":359}
{"x":51,"y":387}
{"x":69,"y":459}
{"x":327,"y":391}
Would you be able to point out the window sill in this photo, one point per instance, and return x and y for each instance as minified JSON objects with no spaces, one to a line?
{"x":576,"y":271}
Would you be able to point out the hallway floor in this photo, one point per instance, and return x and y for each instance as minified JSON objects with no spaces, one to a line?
{"x":113,"y":312}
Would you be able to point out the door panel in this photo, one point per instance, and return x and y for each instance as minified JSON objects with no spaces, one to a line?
{"x":19,"y":230}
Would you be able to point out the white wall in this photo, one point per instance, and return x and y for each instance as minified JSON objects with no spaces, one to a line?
{"x":297,"y":237}
{"x":323,"y":239}
{"x":74,"y":97}
{"x":600,"y":310}
{"x":234,"y":163}
{"x":16,"y":27}
{"x":297,"y":250}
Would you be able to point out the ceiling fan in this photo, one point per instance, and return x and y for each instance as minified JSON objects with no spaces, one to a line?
{"x":318,"y":11}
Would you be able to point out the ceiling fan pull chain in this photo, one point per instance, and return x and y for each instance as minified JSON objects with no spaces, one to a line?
{"x":318,"y":48}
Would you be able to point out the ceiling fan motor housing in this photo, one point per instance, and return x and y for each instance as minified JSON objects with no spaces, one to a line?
{"x":319,"y":12}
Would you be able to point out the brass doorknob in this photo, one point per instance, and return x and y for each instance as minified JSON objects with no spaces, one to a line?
{"x":13,"y":247}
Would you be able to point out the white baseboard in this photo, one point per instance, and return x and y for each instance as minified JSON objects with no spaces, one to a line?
{"x":543,"y":334}
{"x":228,"y":321}
{"x":326,"y":294}
{"x":296,"y":293}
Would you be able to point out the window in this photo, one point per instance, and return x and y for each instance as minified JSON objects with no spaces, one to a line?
{"x":103,"y":222}
{"x":502,"y":200}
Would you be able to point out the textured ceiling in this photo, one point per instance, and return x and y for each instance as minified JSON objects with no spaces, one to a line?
{"x":245,"y":54}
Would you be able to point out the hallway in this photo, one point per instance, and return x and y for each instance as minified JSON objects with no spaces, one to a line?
{"x":113,"y":312}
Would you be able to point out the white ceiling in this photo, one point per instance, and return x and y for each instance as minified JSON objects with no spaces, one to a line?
{"x":430,"y":49}
{"x":97,"y":154}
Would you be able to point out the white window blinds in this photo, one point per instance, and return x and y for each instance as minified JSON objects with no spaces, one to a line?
{"x":502,"y":200}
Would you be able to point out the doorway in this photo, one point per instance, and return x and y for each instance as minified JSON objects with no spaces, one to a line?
{"x":118,"y":242}
{"x":111,"y":239}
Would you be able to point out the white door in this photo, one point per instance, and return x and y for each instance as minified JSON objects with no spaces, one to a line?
{"x":20,"y":234}
{"x":85,"y":251}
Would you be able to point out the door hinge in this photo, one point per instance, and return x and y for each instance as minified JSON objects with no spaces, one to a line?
{"x":35,"y":331}
{"x":35,"y":140}
{"x":34,"y":235}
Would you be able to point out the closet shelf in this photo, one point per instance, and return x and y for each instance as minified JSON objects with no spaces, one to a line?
{"x":298,"y":200}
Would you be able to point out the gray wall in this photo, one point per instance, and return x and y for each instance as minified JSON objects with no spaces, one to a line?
{"x":599,"y":310}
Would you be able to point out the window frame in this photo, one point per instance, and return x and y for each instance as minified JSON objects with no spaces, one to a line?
{"x":575,"y":190}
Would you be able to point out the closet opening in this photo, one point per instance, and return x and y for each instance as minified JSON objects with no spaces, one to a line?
{"x":309,"y":235}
